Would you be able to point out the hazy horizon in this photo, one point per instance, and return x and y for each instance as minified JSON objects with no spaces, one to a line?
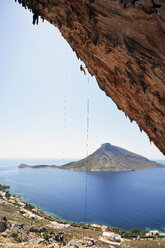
{"x":58,"y":158}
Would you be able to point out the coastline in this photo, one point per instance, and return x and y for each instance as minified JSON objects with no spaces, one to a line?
{"x":160,"y":229}
{"x":62,"y":220}
{"x":26,"y":224}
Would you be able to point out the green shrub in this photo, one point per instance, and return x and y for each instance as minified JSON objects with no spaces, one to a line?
{"x":4,"y":218}
{"x":135,"y":231}
{"x":14,"y":235}
{"x":49,"y":218}
{"x":8,"y":195}
{"x":18,"y":240}
{"x":4,"y":187}
{"x":29,"y":206}
{"x":143,"y":233}
{"x":46,"y":236}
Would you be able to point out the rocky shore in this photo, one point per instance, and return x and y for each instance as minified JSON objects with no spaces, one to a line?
{"x":24,"y":225}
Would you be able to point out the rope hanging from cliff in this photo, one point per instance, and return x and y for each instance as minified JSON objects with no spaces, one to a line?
{"x":87,"y":147}
{"x":64,"y":126}
{"x":65,"y":105}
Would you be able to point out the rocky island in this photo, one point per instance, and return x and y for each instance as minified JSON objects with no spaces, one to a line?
{"x":106,"y":158}
{"x":112,"y":158}
{"x":37,"y":166}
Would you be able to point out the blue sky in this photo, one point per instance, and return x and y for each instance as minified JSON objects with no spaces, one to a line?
{"x":35,"y":62}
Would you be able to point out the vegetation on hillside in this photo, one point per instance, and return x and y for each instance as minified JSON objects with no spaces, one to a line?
{"x":112,"y":158}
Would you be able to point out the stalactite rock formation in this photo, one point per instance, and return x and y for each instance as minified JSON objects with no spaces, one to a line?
{"x":122,"y":44}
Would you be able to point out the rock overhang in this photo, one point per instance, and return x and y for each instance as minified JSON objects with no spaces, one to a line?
{"x":123,"y":46}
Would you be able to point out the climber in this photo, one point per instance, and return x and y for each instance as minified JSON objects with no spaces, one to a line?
{"x":35,"y":18}
{"x":82,"y":69}
{"x":61,"y":236}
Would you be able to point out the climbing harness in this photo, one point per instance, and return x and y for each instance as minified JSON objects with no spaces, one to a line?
{"x":35,"y":18}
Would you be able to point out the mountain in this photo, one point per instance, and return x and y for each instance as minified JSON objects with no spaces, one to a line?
{"x":111,"y":158}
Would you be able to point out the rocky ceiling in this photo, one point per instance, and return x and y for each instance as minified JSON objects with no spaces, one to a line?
{"x":122,"y":44}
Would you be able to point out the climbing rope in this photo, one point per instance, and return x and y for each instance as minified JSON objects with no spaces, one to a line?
{"x":64,"y":135}
{"x":64,"y":128}
{"x":65,"y":106}
{"x":87,"y":148}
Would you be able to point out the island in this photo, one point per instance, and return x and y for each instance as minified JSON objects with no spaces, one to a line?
{"x":106,"y":158}
{"x":37,"y":166}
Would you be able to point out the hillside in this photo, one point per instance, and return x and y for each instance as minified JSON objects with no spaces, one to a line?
{"x":112,"y":158}
{"x":23,"y":225}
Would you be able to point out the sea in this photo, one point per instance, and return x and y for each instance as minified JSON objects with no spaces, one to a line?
{"x":116,"y":199}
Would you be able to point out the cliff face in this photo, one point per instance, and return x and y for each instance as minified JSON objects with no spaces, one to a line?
{"x":123,"y":46}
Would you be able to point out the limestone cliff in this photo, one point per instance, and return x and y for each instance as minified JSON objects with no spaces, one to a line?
{"x":123,"y":45}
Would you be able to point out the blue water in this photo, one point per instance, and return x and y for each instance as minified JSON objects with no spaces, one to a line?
{"x":120,"y":199}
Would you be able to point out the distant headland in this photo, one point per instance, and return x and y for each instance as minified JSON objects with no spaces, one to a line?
{"x":38,"y":166}
{"x":106,"y":158}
